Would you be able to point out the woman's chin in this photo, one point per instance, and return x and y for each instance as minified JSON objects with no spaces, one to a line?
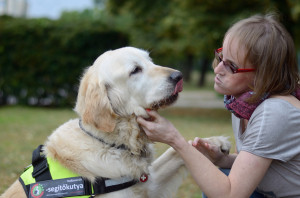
{"x":219,"y":89}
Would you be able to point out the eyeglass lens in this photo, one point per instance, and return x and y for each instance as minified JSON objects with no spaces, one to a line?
{"x":227,"y":65}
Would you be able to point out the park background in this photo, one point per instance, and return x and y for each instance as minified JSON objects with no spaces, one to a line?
{"x":42,"y":58}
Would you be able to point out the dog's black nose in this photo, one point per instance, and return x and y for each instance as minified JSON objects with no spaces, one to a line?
{"x":176,"y":76}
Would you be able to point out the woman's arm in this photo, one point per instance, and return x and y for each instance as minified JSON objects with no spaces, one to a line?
{"x":246,"y":173}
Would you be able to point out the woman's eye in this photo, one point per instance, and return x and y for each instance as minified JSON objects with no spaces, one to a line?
{"x":136,"y":70}
{"x":232,"y":65}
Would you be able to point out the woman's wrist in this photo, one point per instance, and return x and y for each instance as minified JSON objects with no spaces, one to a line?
{"x":178,"y":142}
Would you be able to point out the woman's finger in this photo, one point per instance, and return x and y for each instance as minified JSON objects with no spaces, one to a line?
{"x":195,"y":141}
{"x":141,"y":120}
{"x":153,"y":115}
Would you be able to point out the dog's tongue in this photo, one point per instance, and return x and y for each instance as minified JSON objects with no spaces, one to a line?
{"x":179,"y":87}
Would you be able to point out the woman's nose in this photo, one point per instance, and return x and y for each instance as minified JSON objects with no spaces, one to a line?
{"x":220,"y":68}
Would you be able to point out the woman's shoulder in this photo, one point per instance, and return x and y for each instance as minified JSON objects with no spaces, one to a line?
{"x":273,"y":128}
{"x":277,"y":109}
{"x":289,"y":99}
{"x":280,"y":104}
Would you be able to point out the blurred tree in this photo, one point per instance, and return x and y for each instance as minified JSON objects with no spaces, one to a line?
{"x":42,"y":59}
{"x":100,"y":3}
{"x":295,"y":10}
{"x":202,"y":24}
{"x":185,"y":32}
{"x":290,"y":15}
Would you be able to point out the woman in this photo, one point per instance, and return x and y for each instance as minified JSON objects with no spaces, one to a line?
{"x":256,"y":70}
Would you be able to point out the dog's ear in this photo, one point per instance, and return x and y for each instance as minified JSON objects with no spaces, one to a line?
{"x":93,"y":104}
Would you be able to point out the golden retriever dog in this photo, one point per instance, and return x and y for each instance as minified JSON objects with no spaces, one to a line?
{"x":105,"y":144}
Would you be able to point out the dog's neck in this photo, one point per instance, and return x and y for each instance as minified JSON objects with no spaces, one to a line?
{"x":127,"y":135}
{"x":122,"y":146}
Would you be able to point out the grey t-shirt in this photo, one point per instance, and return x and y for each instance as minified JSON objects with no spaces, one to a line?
{"x":273,"y":132}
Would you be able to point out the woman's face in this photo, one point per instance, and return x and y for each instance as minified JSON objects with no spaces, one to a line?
{"x":226,"y":82}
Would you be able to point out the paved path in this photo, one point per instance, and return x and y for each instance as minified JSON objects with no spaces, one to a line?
{"x":199,"y":99}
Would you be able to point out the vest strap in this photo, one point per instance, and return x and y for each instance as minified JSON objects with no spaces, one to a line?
{"x":105,"y":185}
{"x":41,"y":170}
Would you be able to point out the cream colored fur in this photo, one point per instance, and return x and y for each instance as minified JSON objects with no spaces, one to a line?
{"x":117,"y":88}
{"x":220,"y":141}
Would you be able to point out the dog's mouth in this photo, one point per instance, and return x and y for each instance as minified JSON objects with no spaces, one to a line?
{"x":167,"y":101}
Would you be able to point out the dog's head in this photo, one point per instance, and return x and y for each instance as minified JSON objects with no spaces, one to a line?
{"x":123,"y":82}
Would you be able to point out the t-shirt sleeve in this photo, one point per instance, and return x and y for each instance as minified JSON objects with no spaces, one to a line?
{"x":273,"y":131}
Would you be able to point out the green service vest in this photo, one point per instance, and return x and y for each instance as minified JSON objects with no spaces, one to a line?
{"x":57,"y":172}
{"x":48,"y":178}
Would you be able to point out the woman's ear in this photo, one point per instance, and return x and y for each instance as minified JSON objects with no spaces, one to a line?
{"x":93,"y":105}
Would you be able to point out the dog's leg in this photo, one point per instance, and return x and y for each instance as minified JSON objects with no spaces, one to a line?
{"x":166,"y":175}
{"x":14,"y":191}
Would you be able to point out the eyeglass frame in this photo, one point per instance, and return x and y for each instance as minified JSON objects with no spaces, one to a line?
{"x":233,"y":67}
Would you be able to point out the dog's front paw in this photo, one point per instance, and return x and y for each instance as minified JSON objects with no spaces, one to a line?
{"x":220,"y":141}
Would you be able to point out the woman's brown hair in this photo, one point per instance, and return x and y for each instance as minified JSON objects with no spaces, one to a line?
{"x":270,"y":49}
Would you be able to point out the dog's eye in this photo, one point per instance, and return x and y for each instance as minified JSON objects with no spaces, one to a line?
{"x":136,"y":70}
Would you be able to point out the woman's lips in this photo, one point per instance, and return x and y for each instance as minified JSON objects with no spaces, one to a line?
{"x":217,"y":80}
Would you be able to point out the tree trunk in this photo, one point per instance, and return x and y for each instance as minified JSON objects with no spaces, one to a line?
{"x":205,"y":64}
{"x":188,"y":67}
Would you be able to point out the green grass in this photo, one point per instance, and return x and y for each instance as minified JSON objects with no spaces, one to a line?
{"x":23,"y":129}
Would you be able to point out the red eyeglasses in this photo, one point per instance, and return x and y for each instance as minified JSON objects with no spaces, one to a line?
{"x":229,"y":65}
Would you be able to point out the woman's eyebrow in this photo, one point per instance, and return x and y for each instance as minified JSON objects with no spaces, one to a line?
{"x":231,"y":61}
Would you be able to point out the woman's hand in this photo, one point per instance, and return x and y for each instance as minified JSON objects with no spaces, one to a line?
{"x":158,"y":129}
{"x":211,"y":151}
